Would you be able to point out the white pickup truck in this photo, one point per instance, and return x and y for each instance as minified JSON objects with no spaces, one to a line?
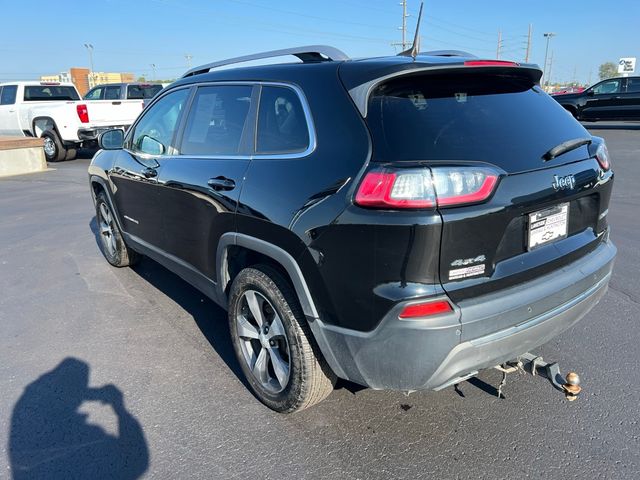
{"x":55,"y":112}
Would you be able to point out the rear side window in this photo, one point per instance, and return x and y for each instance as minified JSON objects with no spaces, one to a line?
{"x":155,"y":130}
{"x":504,"y":120}
{"x":43,"y":93}
{"x":216,"y":121}
{"x":633,"y":85}
{"x":142,"y":92}
{"x":112,"y":93}
{"x":8,"y":94}
{"x":282,"y":126}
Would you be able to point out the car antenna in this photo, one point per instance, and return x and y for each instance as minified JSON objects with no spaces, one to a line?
{"x":415,"y":48}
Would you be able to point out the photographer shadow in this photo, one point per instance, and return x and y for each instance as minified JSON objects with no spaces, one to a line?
{"x":51,"y":438}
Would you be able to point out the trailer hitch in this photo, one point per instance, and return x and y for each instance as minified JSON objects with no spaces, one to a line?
{"x":535,"y":365}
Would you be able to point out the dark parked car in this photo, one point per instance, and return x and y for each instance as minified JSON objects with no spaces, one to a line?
{"x":397,"y":222}
{"x":611,"y":99}
{"x":124,"y":91}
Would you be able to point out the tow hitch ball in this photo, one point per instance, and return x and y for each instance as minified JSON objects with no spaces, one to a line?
{"x":535,"y":365}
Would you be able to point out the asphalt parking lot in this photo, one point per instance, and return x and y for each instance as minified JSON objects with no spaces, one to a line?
{"x":121,"y":373}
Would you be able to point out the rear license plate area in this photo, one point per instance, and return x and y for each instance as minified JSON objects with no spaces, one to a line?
{"x":548,"y":225}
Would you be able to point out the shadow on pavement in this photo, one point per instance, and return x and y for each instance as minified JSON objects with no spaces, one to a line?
{"x":51,"y":438}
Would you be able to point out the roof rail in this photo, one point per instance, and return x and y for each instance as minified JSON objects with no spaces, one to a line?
{"x":448,"y":53}
{"x":310,"y":53}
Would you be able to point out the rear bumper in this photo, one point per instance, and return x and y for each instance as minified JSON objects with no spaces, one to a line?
{"x":436,"y":352}
{"x":92,"y":133}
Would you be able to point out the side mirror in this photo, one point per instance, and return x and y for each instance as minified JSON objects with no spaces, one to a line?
{"x":151,"y":146}
{"x":590,"y":93}
{"x":111,"y":139}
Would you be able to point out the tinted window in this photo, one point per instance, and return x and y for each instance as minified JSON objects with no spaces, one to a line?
{"x":95,"y":94}
{"x":155,"y":130}
{"x":216,"y":121}
{"x":633,"y":85}
{"x":282,"y":127}
{"x":112,"y":93}
{"x":8,"y":95}
{"x":141,"y":92}
{"x":40,"y":93}
{"x":506,"y":121}
{"x":609,"y":86}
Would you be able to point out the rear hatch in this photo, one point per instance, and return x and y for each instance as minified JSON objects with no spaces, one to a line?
{"x":542,"y":212}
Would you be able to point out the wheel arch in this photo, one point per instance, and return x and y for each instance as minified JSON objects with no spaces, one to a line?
{"x":572,"y":109}
{"x":274,"y":255}
{"x":99,"y":185}
{"x":41,"y":124}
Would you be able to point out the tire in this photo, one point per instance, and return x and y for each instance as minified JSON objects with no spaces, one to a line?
{"x":287,"y":343}
{"x":54,"y":151}
{"x":111,"y":242}
{"x":71,"y":154}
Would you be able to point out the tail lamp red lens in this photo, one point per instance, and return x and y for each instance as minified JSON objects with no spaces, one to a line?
{"x":490,"y":63}
{"x":83,"y":113}
{"x":602,"y":155}
{"x":426,"y":187}
{"x":426,"y":309}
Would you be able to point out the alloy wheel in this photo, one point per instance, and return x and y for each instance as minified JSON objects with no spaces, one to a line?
{"x":263,"y":341}
{"x":107,"y":229}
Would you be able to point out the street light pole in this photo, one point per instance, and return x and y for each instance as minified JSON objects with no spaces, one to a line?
{"x":89,"y":48}
{"x":548,"y":36}
{"x":153,"y":66}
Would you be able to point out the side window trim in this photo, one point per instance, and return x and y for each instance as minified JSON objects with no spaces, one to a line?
{"x":252,"y":117}
{"x":172,"y":151}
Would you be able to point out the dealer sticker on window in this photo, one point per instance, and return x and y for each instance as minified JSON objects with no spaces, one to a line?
{"x":548,"y":225}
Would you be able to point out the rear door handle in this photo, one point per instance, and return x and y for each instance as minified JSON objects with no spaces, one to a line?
{"x":221,"y":183}
{"x":116,"y":103}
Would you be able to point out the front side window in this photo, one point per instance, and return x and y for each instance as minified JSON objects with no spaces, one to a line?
{"x":610,"y":86}
{"x":8,"y":95}
{"x":217,"y":120}
{"x":155,"y":130}
{"x":633,"y":85}
{"x":95,"y":94}
{"x":112,"y":93}
{"x":282,"y":126}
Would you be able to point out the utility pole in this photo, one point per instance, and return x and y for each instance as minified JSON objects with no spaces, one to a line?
{"x":188,"y":58}
{"x":573,"y":80}
{"x":91,"y":78}
{"x":153,"y":66}
{"x":499,"y":44}
{"x":403,"y":45}
{"x":548,"y":36}
{"x":526,"y":57}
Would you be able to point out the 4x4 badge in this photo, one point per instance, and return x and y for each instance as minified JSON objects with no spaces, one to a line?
{"x":563,"y":183}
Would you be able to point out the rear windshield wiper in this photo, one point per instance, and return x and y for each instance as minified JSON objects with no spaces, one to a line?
{"x":565,"y":147}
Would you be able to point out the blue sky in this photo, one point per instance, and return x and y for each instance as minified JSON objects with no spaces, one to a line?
{"x":130,"y":35}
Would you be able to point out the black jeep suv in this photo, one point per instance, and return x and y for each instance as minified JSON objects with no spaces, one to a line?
{"x":399,"y":222}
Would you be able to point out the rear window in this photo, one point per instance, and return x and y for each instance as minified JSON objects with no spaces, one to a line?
{"x":142,"y":92}
{"x":502,"y":120}
{"x":40,"y":93}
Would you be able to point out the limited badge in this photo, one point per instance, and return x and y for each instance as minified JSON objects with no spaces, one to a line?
{"x":466,"y":272}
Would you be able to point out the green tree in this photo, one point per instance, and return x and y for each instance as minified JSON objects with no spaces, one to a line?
{"x":608,"y":70}
{"x":141,"y":79}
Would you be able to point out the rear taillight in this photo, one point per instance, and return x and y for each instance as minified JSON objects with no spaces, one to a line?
{"x":83,"y":113}
{"x":426,"y":187}
{"x":602,"y":155}
{"x":490,"y":63}
{"x":426,"y":309}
